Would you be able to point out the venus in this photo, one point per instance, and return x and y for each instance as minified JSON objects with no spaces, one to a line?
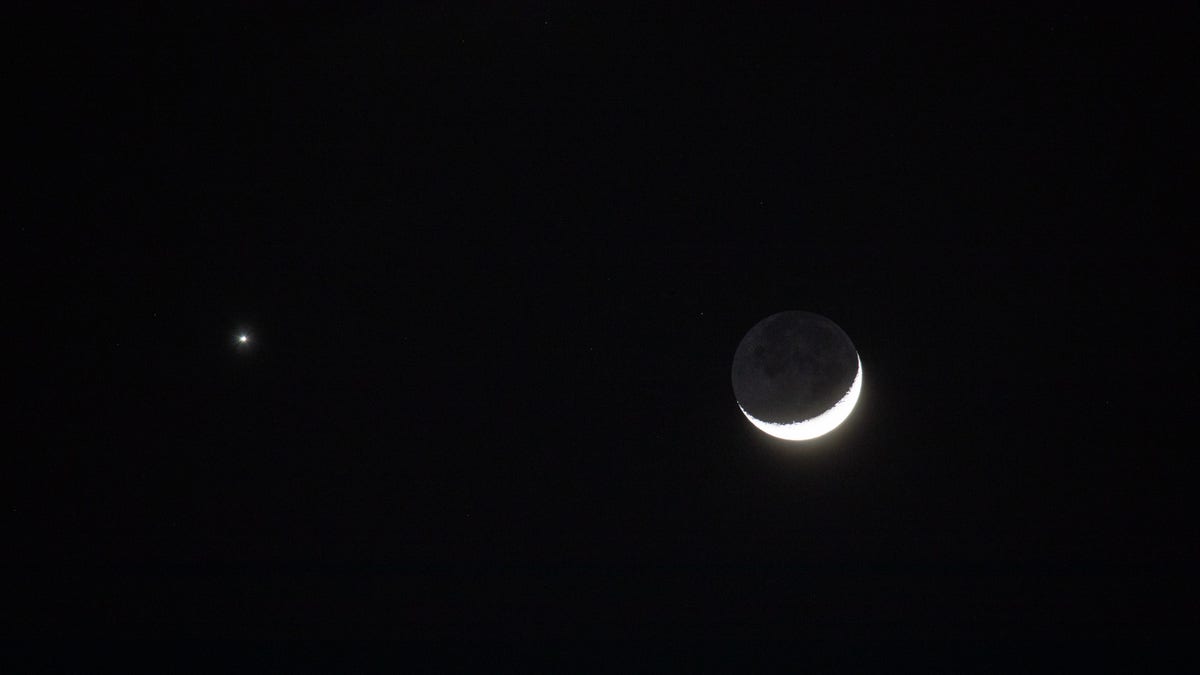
{"x":796,"y":375}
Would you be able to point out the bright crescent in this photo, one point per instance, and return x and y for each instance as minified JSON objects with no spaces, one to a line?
{"x":814,"y":426}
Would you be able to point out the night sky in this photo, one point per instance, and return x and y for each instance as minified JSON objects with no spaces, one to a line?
{"x":494,"y":265}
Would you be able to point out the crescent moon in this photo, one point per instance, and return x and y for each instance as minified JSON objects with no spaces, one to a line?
{"x":818,"y":425}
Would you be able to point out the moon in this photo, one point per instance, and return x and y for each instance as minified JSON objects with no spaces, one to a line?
{"x":796,"y":375}
{"x":243,"y":340}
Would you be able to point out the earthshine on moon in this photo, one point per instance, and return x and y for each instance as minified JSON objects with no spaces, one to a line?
{"x":796,"y":375}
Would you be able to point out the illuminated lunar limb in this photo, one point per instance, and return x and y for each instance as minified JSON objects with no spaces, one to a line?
{"x":815,"y":426}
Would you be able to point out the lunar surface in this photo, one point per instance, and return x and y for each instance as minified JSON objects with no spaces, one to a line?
{"x":796,"y":375}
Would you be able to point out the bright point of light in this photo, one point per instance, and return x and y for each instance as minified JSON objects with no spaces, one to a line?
{"x":242,"y":338}
{"x":816,"y":426}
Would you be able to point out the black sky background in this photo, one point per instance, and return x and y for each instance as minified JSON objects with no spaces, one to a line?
{"x":495,"y":264}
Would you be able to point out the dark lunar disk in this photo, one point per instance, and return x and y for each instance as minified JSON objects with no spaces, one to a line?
{"x":793,"y":366}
